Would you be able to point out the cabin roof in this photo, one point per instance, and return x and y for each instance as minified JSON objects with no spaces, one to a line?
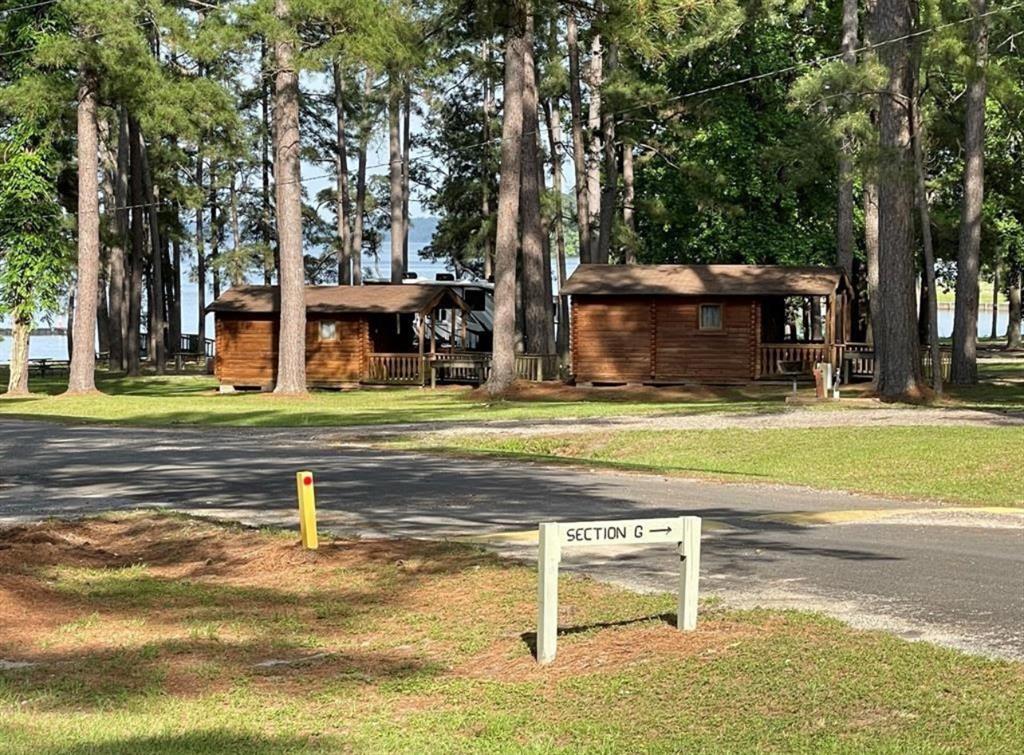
{"x":377,"y":299}
{"x":696,"y":280}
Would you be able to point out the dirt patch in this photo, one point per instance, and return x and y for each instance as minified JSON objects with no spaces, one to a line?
{"x":145,"y":601}
{"x":560,"y":392}
{"x":609,"y":649}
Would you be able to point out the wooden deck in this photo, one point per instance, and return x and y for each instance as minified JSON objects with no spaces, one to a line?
{"x":451,"y":366}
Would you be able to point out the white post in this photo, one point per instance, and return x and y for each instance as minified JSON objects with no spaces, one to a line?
{"x":548,"y":555}
{"x":689,"y":573}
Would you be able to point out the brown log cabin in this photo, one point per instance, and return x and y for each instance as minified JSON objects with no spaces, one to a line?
{"x":666,"y":324}
{"x":354,"y":334}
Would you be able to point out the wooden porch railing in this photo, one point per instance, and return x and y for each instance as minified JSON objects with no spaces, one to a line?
{"x":536,"y":367}
{"x":859,"y":361}
{"x":807,"y":354}
{"x":412,"y":369}
{"x":401,"y":369}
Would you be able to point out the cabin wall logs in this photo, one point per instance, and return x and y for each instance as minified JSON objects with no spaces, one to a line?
{"x":650,"y":339}
{"x":247,"y":350}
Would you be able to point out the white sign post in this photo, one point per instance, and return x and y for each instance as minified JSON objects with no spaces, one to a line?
{"x":684,"y":531}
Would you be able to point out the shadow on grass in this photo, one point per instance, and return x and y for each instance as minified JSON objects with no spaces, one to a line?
{"x":530,"y":638}
{"x":214,"y":741}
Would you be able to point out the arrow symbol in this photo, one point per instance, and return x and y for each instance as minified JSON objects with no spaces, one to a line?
{"x":666,"y":530}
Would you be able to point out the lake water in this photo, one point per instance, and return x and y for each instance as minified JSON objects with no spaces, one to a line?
{"x":55,"y":347}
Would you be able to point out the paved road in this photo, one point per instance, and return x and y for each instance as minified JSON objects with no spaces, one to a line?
{"x":952,"y":578}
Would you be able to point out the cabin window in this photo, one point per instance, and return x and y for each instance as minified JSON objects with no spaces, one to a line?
{"x":710,"y":317}
{"x":328,"y":330}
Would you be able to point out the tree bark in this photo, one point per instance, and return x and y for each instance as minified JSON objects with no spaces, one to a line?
{"x":844,"y":216}
{"x":628,"y":197}
{"x":406,"y":157}
{"x":118,"y":302}
{"x":200,"y":254}
{"x":595,"y":79}
{"x":397,"y":196}
{"x":609,"y":193}
{"x":341,"y":201}
{"x":554,"y":123}
{"x":994,"y":332}
{"x":503,"y":372}
{"x":929,"y":249}
{"x":291,"y":355}
{"x":536,"y":305}
{"x":964,"y":369}
{"x":579,"y":156}
{"x":17,"y":381}
{"x":360,"y":211}
{"x":485,"y":169}
{"x":138,"y":243}
{"x":82,"y":378}
{"x":1013,"y":338}
{"x":158,"y":311}
{"x":898,"y":366}
{"x":266,"y":166}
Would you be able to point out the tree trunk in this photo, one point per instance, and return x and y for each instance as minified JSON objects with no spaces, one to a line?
{"x":844,"y":217}
{"x":236,"y":230}
{"x":138,"y":242}
{"x":118,"y":304}
{"x":395,"y":169}
{"x":929,"y":250}
{"x":503,"y":371}
{"x":406,"y":155}
{"x":898,"y":370}
{"x":266,"y":166}
{"x":291,"y":355}
{"x":628,"y":197}
{"x":554,"y":123}
{"x":82,"y":378}
{"x":579,"y":156}
{"x":536,"y":305}
{"x":1013,"y":339}
{"x":175,"y":306}
{"x":200,"y":254}
{"x":17,"y":381}
{"x":994,"y":332}
{"x":360,"y":211}
{"x":341,"y":201}
{"x":611,"y":170}
{"x":158,"y":314}
{"x":595,"y":79}
{"x":485,"y":169}
{"x":964,"y":370}
{"x":215,"y":231}
{"x":102,"y":310}
{"x":871,"y":253}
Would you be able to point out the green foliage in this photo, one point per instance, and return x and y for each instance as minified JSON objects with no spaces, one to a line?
{"x":34,"y":262}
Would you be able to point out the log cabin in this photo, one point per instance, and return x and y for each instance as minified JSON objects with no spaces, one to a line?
{"x":714,"y":324}
{"x":354,"y":334}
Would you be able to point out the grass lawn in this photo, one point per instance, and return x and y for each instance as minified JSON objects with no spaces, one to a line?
{"x":193,"y":400}
{"x":972,"y":465}
{"x":169,"y":635}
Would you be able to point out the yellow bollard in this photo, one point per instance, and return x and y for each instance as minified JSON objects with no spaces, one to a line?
{"x":307,"y":509}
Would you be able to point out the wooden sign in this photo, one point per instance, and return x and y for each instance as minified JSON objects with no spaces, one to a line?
{"x":683,"y":531}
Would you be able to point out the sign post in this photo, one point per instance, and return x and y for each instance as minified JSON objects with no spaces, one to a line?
{"x":683,"y":531}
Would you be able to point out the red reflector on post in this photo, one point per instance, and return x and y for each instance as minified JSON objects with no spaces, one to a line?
{"x":307,"y":480}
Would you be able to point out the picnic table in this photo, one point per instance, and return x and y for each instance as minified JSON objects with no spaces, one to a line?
{"x":45,"y":364}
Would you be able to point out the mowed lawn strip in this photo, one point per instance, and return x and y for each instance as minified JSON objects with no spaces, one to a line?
{"x":193,"y":400}
{"x":165,"y":634}
{"x":970,"y":465}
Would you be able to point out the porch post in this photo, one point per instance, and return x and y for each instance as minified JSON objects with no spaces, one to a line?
{"x":421,"y":330}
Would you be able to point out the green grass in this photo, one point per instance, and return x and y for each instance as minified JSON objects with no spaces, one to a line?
{"x":971,"y":465}
{"x":193,"y":400}
{"x":425,"y":647}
